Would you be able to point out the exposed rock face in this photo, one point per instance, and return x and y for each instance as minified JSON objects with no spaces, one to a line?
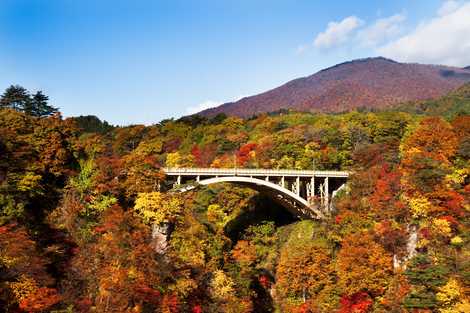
{"x":160,"y":236}
{"x":371,"y":83}
{"x":410,"y":248}
{"x":412,"y":242}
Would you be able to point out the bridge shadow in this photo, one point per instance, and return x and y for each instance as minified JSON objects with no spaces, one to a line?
{"x":263,"y":209}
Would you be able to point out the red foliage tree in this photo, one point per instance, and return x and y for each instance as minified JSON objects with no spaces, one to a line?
{"x":243,"y":153}
{"x":42,"y":300}
{"x":204,"y":156}
{"x":359,"y":302}
{"x":385,"y":201}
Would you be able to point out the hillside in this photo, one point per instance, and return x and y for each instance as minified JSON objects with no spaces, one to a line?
{"x":92,"y":124}
{"x":457,"y":102}
{"x":371,"y":83}
{"x":89,"y":223}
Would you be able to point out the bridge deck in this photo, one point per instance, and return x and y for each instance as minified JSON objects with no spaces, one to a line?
{"x":252,"y":172}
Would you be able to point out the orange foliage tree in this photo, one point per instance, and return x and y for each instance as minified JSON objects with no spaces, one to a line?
{"x":363,"y":265}
{"x":426,"y":155}
{"x":121,"y":270}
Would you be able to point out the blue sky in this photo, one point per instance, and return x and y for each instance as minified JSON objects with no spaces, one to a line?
{"x":142,"y":61}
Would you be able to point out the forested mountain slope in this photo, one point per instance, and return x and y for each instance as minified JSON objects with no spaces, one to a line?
{"x":365,"y":83}
{"x":84,"y":226}
{"x":455,"y":103}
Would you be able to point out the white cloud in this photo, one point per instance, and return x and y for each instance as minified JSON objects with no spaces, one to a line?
{"x":382,"y":30}
{"x":337,"y":33}
{"x":445,"y":39}
{"x":448,"y":7}
{"x":208,"y":104}
{"x":353,"y":30}
{"x":202,"y":106}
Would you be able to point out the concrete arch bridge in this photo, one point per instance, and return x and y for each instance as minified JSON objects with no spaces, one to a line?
{"x":305,"y":193}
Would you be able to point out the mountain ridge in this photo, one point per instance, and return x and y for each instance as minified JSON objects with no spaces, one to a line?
{"x":369,"y":82}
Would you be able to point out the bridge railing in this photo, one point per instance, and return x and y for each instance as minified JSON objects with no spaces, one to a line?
{"x":253,"y":172}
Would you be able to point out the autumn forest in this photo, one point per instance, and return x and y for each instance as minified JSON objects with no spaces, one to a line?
{"x":88,"y":222}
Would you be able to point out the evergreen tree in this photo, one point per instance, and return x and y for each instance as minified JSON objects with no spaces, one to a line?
{"x":17,"y":98}
{"x":40,"y":106}
{"x":92,"y":124}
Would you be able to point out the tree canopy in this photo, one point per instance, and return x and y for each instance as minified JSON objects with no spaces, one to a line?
{"x":89,"y":223}
{"x":18,"y":98}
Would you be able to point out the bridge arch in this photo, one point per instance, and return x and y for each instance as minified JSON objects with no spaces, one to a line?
{"x":296,"y":190}
{"x":288,"y":199}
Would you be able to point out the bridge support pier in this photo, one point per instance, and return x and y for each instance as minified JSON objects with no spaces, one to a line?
{"x":310,"y":189}
{"x":297,"y":185}
{"x":326,"y":195}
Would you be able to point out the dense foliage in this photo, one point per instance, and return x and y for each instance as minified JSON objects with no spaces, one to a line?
{"x":88,"y":223}
{"x":92,"y":124}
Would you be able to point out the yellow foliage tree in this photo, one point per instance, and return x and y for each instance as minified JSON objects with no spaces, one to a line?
{"x":419,"y":206}
{"x":450,"y":298}
{"x":222,"y":286}
{"x":216,"y":215}
{"x":173,"y":159}
{"x":441,"y":227}
{"x":153,"y":207}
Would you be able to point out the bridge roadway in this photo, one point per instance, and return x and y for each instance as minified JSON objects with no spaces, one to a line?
{"x":306,"y":193}
{"x":253,"y":172}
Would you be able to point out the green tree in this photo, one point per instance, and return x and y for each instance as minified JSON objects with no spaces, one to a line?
{"x":39,"y":105}
{"x":17,"y":98}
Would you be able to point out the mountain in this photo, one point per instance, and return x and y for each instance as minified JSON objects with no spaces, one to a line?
{"x":372,"y":83}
